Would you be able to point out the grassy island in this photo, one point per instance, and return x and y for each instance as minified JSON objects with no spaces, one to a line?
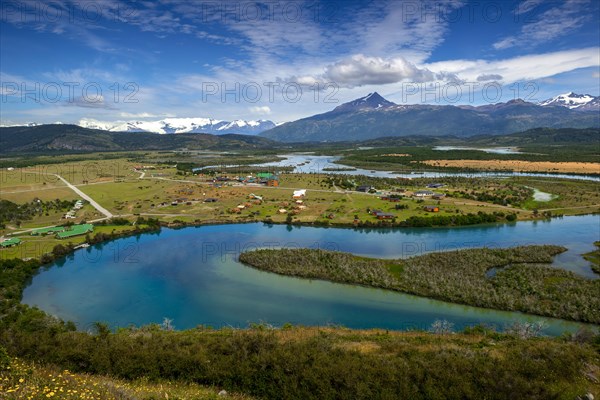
{"x":513,"y":279}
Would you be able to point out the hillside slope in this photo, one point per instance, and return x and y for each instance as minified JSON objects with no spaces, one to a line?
{"x":73,"y":138}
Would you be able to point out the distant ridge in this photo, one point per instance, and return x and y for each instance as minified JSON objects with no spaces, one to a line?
{"x":373,"y":116}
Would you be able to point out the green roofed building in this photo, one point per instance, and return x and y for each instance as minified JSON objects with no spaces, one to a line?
{"x":265,"y":175}
{"x":46,"y":231}
{"x":10,"y":242}
{"x":75,"y":230}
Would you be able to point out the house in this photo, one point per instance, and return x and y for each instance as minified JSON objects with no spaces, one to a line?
{"x":435,"y":185}
{"x":423,"y":193}
{"x":382,"y":215}
{"x":431,"y":208}
{"x":282,"y":211}
{"x":210,"y":200}
{"x":273,"y":182}
{"x":298,"y":194}
{"x":392,"y":198}
{"x":10,"y":242}
{"x":375,"y":212}
{"x":364,"y":188}
{"x":47,"y":231}
{"x":75,"y":230}
{"x":438,"y":196}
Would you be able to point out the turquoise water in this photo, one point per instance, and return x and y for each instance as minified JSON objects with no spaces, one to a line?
{"x":191,"y":276}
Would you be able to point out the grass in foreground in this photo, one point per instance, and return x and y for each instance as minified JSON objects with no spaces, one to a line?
{"x":505,"y":279}
{"x":311,"y":363}
{"x":22,"y":379}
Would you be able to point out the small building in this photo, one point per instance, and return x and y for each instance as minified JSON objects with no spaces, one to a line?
{"x":10,"y":242}
{"x":273,"y":182}
{"x":393,"y":198}
{"x":210,"y":200}
{"x":424,"y":193}
{"x":382,"y":215}
{"x":75,"y":230}
{"x":375,"y":212}
{"x":364,"y":188}
{"x":431,"y":208}
{"x":282,"y":211}
{"x":435,"y":185}
{"x":298,"y":194}
{"x":47,"y":231}
{"x":438,"y":196}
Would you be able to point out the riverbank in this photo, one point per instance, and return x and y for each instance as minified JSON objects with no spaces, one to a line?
{"x":594,"y":257}
{"x":520,"y":282}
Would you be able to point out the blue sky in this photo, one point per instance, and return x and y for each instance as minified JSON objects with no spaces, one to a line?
{"x":115,"y":60}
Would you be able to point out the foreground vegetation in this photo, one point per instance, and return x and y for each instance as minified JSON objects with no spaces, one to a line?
{"x":21,"y":379}
{"x":291,"y":362}
{"x":314,"y":363}
{"x":505,"y":279}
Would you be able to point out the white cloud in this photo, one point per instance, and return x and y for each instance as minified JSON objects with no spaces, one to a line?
{"x":533,"y":66}
{"x":260,"y":110}
{"x":360,"y":70}
{"x":548,"y":25}
{"x":144,"y":115}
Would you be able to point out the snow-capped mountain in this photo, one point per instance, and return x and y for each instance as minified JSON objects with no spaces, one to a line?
{"x":371,"y":101}
{"x":574,"y":101}
{"x":182,"y":125}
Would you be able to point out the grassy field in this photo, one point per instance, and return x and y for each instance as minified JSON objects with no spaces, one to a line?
{"x":518,"y":165}
{"x":115,"y":185}
{"x":533,"y":158}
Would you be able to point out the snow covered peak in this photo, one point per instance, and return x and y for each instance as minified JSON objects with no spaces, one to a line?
{"x":371,"y":101}
{"x":182,"y":125}
{"x":573,"y":101}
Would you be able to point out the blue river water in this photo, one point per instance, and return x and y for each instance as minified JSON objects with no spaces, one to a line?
{"x":192,"y":276}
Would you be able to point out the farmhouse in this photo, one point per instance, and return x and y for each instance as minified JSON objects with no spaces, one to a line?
{"x":10,"y":242}
{"x":392,"y":198}
{"x":75,"y":230}
{"x":298,"y":194}
{"x":423,"y":193}
{"x":47,"y":231}
{"x":364,"y":188}
{"x":268,"y":179}
{"x":431,"y":208}
{"x":382,"y":215}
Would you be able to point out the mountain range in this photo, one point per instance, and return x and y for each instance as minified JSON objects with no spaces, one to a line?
{"x":373,"y":116}
{"x":182,"y":125}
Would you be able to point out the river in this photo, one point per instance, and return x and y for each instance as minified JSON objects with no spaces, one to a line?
{"x":192,"y":276}
{"x":309,"y":163}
